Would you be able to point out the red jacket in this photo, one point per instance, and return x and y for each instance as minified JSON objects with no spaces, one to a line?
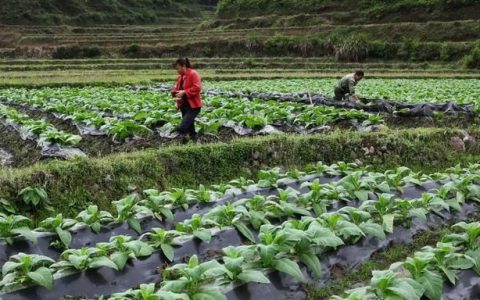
{"x":192,"y":87}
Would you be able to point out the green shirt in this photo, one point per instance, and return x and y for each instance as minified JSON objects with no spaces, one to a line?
{"x":347,"y":84}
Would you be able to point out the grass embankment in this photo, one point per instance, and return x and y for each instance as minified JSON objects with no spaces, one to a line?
{"x":50,"y":12}
{"x":347,"y":11}
{"x":73,"y":185}
{"x":447,"y":41}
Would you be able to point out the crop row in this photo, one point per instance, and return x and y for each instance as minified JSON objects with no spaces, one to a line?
{"x":254,"y":212}
{"x":122,"y":112}
{"x":355,"y":185}
{"x":461,"y":91}
{"x":424,"y":274}
{"x":29,"y":128}
{"x":281,"y":248}
{"x":161,"y":204}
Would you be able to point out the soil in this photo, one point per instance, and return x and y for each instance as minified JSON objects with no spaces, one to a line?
{"x":22,"y":153}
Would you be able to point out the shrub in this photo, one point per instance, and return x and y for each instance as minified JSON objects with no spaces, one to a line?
{"x":353,"y":48}
{"x":132,"y":50}
{"x":69,"y":52}
{"x":472,"y":60}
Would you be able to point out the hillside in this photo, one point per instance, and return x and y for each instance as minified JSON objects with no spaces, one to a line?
{"x":90,"y":12}
{"x":440,"y":31}
{"x":295,"y":12}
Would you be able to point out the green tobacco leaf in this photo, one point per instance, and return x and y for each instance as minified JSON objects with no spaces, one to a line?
{"x":453,"y":203}
{"x":383,"y":187}
{"x":120,"y":259}
{"x":103,"y":262}
{"x":361,"y":195}
{"x":167,"y":251}
{"x":96,"y":227}
{"x":475,"y":254}
{"x":245,"y":231}
{"x":64,"y":235}
{"x":166,"y":295}
{"x":327,"y":238}
{"x":26,"y":233}
{"x":42,"y":276}
{"x":253,"y":276}
{"x":135,"y":225}
{"x":167,"y":213}
{"x":313,"y":263}
{"x":203,"y":234}
{"x":208,"y":294}
{"x":462,"y":263}
{"x":373,"y":229}
{"x":452,"y":277}
{"x":263,"y":183}
{"x":9,"y":266}
{"x":419,"y":213}
{"x":433,"y":284}
{"x":408,"y":288}
{"x":388,"y":222}
{"x":290,"y":267}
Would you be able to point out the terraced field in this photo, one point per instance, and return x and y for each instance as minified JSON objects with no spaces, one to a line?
{"x":252,"y":239}
{"x":461,"y":91}
{"x":284,"y":193}
{"x":95,"y":121}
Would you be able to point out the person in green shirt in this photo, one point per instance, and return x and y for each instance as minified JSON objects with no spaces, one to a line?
{"x":346,"y":86}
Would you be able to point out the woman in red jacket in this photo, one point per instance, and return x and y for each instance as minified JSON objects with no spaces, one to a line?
{"x":187,"y":93}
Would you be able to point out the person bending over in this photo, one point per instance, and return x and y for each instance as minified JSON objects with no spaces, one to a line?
{"x":345,"y":88}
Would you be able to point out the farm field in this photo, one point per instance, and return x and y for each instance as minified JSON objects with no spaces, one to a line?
{"x":461,"y":91}
{"x":61,"y":122}
{"x":279,"y":191}
{"x":60,"y":119}
{"x":239,"y":237}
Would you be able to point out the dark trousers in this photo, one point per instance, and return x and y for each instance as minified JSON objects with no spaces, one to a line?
{"x":188,"y":120}
{"x":339,"y":94}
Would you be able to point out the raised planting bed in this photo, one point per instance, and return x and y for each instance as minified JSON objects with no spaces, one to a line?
{"x":460,"y":91}
{"x":448,"y":270}
{"x":270,"y":236}
{"x":103,"y":120}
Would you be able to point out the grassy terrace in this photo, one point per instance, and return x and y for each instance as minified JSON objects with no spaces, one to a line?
{"x":438,"y":40}
{"x":123,"y":71}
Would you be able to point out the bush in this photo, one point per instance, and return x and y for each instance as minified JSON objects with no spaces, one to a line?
{"x":132,"y":50}
{"x":76,"y":52}
{"x":472,"y":60}
{"x":350,"y":48}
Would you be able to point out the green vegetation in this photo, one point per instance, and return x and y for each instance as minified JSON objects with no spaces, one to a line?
{"x":462,"y":91}
{"x":89,"y":77}
{"x":310,"y":231}
{"x":22,"y":12}
{"x":424,"y":274}
{"x":148,"y":110}
{"x":356,"y":10}
{"x":40,"y":128}
{"x":472,"y":61}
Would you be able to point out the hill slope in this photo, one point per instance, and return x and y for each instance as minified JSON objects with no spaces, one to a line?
{"x":88,"y":12}
{"x":350,"y":11}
